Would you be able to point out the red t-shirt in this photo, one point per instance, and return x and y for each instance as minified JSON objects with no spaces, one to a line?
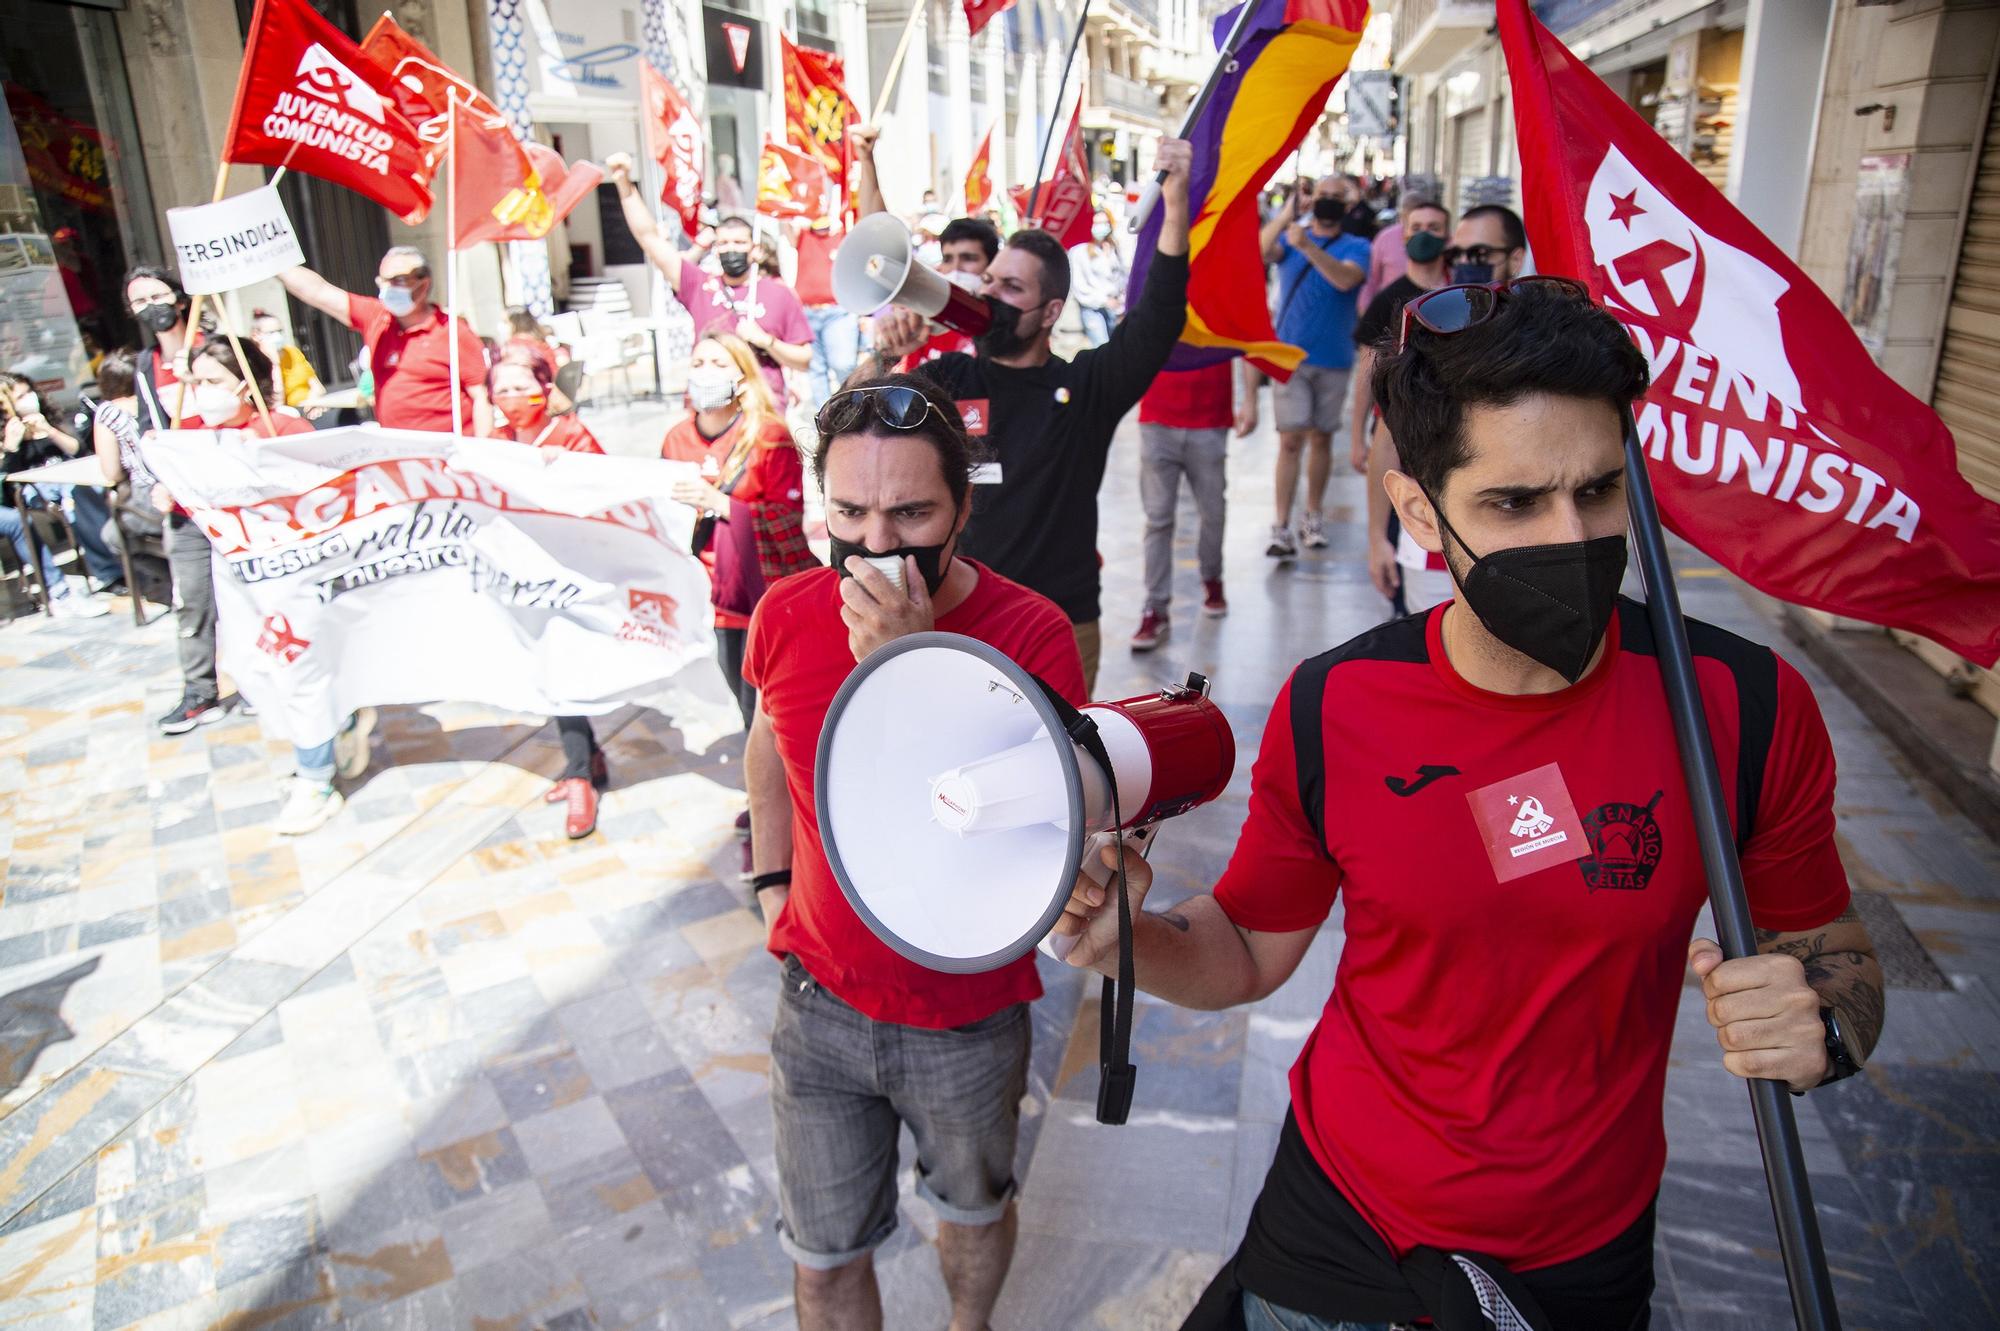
{"x":1201,"y":399}
{"x":560,"y":432}
{"x":797,"y":657}
{"x":412,"y":367}
{"x":815,"y":271}
{"x":1489,"y":1070}
{"x":775,"y":476}
{"x":282,"y":422}
{"x":949,"y":342}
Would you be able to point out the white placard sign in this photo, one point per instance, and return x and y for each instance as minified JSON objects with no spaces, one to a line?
{"x":364,"y":566}
{"x":244,"y":239}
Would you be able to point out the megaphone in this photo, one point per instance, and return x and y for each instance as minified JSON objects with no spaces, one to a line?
{"x":959,"y":797}
{"x":877,"y":265}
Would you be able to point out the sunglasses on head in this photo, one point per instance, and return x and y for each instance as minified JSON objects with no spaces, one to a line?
{"x":1449,"y":310}
{"x":896,"y":407}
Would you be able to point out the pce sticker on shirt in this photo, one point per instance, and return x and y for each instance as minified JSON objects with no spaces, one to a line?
{"x":1528,"y":823}
{"x":972,"y":411}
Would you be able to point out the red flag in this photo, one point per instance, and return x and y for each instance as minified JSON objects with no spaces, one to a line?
{"x":506,"y":191}
{"x":311,"y":100}
{"x":979,"y":179}
{"x":817,"y":107}
{"x":790,"y":184}
{"x":673,"y":139}
{"x":1063,"y":205}
{"x":979,"y":13}
{"x":424,"y":84}
{"x":1777,"y":445}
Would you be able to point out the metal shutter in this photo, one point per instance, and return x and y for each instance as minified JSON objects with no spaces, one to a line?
{"x":1968,"y":383}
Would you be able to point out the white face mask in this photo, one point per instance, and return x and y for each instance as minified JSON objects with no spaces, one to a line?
{"x":399,"y":301}
{"x":28,"y":404}
{"x":711,"y":386}
{"x":1100,"y":230}
{"x":214,"y":403}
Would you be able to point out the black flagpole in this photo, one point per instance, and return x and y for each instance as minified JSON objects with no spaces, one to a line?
{"x":1777,"y":1129}
{"x":1225,"y":63}
{"x":1055,"y":116}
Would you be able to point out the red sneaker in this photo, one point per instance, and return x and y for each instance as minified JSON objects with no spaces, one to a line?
{"x":1153,"y":630}
{"x":581,"y":796}
{"x":1212,"y":602}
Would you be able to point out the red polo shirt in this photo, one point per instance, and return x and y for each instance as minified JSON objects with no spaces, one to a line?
{"x":412,"y":366}
{"x":557,"y":432}
{"x":798,"y":657}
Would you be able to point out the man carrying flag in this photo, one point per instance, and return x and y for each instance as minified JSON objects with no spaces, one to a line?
{"x":1048,"y":421}
{"x":409,"y":344}
{"x":1476,"y":1129}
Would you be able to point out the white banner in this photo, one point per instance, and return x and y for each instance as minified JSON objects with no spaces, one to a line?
{"x":364,"y":566}
{"x":243,"y":239}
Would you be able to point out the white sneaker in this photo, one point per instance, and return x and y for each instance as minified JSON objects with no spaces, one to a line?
{"x":350,"y":746}
{"x":1282,"y":546}
{"x":308,"y":805}
{"x":70,"y":605}
{"x":1312,"y":530}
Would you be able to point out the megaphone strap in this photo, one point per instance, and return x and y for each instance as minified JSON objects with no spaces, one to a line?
{"x":1117,"y":1078}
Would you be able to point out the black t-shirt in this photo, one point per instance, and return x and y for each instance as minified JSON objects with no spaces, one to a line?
{"x":1384,"y":315}
{"x":1049,"y":429}
{"x":1360,"y":220}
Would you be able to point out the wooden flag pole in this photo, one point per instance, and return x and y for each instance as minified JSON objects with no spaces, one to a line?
{"x":194,"y":307}
{"x":1055,"y":116}
{"x":256,"y":389}
{"x":888,"y":93}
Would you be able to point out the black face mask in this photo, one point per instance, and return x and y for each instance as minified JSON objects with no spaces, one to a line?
{"x":932,"y":562}
{"x":160,"y":318}
{"x":1471,"y":274}
{"x":1003,"y":337}
{"x":734,"y":263}
{"x":1551,"y":603}
{"x":1423,"y":246}
{"x":1328,"y":211}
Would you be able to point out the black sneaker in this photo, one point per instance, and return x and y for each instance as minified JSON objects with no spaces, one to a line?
{"x":188,"y":715}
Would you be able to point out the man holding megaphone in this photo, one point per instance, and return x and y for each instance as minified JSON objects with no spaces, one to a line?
{"x":867,"y":1040}
{"x":1048,"y":422}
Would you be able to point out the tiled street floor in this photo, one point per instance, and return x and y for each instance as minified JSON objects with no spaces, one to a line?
{"x":436,"y":1066}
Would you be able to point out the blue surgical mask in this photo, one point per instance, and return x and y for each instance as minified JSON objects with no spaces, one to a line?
{"x":399,"y":301}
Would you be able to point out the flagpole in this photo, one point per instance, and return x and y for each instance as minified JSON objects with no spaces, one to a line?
{"x":1055,"y":117}
{"x":256,"y":390}
{"x":1777,"y":1129}
{"x":451,"y":257}
{"x":194,"y":306}
{"x":1225,"y":61}
{"x":883,"y":98}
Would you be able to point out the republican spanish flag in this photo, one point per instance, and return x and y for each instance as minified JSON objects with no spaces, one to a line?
{"x":1291,"y":55}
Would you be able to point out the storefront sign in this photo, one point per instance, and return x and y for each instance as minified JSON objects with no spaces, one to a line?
{"x":223,"y":246}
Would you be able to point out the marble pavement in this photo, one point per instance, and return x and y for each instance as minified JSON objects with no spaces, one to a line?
{"x":436,"y":1066}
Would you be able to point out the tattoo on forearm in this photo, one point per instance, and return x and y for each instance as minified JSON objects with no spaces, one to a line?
{"x":1850,"y":982}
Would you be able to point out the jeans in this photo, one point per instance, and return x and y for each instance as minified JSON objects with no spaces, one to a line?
{"x":1166,"y":454}
{"x":93,"y":514}
{"x":314,"y":764}
{"x":1259,"y":1315}
{"x":15,"y":528}
{"x":836,"y":348}
{"x":579,"y":745}
{"x":1097,"y":322}
{"x":729,"y":644}
{"x":188,"y":554}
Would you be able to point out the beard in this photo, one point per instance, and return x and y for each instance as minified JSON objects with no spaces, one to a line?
{"x":1003,"y":337}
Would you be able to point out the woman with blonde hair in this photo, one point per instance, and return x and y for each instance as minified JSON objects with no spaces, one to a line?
{"x":751,"y":497}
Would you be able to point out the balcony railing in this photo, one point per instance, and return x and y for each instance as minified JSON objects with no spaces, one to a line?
{"x":1427,"y":35}
{"x":1145,"y":13}
{"x":1130,"y":97}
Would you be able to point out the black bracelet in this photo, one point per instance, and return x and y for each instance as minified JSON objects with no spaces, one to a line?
{"x":775,"y":878}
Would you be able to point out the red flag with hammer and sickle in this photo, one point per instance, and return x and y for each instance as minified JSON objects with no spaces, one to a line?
{"x":1775,"y":442}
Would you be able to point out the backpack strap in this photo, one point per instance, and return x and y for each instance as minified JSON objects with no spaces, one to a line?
{"x":1309,"y":741}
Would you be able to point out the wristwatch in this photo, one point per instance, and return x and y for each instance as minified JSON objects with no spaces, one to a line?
{"x":1839,"y":1060}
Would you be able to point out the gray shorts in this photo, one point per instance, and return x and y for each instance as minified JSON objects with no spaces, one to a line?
{"x":1312,"y":399}
{"x":842,"y":1084}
